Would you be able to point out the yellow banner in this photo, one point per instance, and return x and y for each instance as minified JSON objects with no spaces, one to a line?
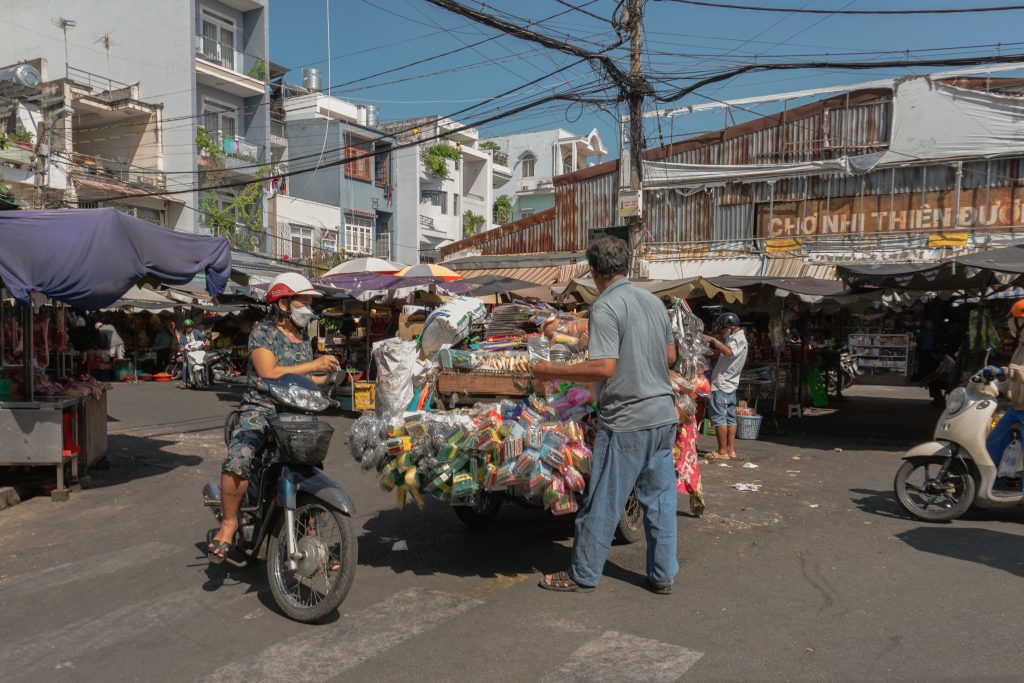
{"x":947,"y":239}
{"x":776,"y":246}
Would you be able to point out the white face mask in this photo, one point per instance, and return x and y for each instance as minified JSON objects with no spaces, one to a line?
{"x":302,"y":316}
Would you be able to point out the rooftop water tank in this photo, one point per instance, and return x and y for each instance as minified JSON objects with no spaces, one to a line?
{"x":311,"y":79}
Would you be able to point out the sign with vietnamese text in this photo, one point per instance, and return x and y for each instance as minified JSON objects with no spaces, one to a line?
{"x":996,"y":207}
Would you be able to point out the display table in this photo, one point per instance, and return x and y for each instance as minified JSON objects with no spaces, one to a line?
{"x":51,"y":431}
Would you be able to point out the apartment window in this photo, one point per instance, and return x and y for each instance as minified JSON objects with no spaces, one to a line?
{"x":435,"y":198}
{"x":358,"y":233}
{"x":382,"y":169}
{"x":527,"y":165}
{"x":302,"y":240}
{"x":219,"y":120}
{"x":567,"y":164}
{"x":455,"y":205}
{"x":330,"y":242}
{"x":218,"y":40}
{"x":523,"y":213}
{"x":361,"y":168}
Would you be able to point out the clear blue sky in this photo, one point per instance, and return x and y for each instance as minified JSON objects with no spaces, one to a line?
{"x":370,"y":36}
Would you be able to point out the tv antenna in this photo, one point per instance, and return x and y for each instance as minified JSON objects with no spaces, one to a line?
{"x":107,"y":43}
{"x":64,"y":24}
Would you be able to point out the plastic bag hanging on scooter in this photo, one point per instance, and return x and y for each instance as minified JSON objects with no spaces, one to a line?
{"x":1012,"y":461}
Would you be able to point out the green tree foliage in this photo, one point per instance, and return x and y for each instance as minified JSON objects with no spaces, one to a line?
{"x":501,"y":212}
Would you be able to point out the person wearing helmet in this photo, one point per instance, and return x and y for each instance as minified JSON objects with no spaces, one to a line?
{"x":1001,"y":435}
{"x":731,"y":347}
{"x":278,"y":346}
{"x":191,"y":339}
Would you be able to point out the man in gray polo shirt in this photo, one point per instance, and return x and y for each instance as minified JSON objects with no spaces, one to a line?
{"x":630,"y":350}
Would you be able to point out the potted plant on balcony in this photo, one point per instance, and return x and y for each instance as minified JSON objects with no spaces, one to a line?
{"x":471,"y":222}
{"x":436,"y":157}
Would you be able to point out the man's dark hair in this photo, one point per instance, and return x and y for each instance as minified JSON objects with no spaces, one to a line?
{"x":608,"y":257}
{"x":939,"y":350}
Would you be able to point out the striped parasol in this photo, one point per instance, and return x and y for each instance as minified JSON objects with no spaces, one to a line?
{"x":429,"y":271}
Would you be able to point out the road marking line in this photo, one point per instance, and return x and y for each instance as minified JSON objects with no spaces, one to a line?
{"x":45,"y":650}
{"x":328,"y":651}
{"x":89,"y":568}
{"x":616,"y":657}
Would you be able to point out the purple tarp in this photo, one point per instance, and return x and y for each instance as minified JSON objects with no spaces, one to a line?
{"x":89,"y":257}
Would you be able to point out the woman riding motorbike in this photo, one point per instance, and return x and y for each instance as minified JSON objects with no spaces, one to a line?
{"x":278,"y":346}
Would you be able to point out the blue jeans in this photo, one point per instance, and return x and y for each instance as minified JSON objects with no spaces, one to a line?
{"x":722,"y":409}
{"x":624,"y":462}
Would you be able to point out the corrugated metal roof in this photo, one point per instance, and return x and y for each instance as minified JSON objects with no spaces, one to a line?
{"x":545,"y":275}
{"x":798,"y":267}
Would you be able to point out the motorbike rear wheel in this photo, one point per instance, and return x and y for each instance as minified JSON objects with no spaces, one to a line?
{"x":631,"y":524}
{"x":324,"y":575}
{"x":922,"y":494}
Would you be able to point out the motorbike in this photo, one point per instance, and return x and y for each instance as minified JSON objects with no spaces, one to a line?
{"x":197,"y":361}
{"x":848,"y":372}
{"x":220,"y":365}
{"x":939,"y":480}
{"x":302,"y":516}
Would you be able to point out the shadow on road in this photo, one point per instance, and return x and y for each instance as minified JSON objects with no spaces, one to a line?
{"x":881,"y":503}
{"x":520,"y":541}
{"x":136,"y":457}
{"x":996,"y":549}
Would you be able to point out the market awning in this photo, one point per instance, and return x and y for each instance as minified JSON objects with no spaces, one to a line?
{"x":1002,"y":260}
{"x":922,"y":277}
{"x":145,"y":299}
{"x":90,"y":257}
{"x":684,"y":288}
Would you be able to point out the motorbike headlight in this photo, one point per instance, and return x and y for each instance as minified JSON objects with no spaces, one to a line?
{"x":301,"y":398}
{"x":955,"y":400}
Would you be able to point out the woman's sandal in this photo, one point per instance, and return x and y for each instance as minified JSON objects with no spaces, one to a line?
{"x":563,"y":583}
{"x":218,"y":552}
{"x":715,"y":455}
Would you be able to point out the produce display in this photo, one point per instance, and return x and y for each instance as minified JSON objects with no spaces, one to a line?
{"x":533,"y":447}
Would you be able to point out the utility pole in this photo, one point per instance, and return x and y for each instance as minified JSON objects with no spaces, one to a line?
{"x":40,"y":164}
{"x":633,"y":88}
{"x":634,"y":20}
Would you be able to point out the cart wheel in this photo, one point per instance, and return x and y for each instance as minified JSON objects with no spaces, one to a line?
{"x":631,"y":524}
{"x":482,"y":514}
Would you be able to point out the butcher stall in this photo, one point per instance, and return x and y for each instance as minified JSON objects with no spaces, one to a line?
{"x":54,"y":265}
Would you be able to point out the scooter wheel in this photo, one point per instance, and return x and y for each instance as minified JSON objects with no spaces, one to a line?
{"x":922,"y":494}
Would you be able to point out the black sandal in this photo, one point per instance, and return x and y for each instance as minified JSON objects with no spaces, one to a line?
{"x":218,"y":552}
{"x":563,"y":583}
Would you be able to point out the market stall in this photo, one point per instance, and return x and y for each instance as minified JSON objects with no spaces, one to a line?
{"x":88,"y":259}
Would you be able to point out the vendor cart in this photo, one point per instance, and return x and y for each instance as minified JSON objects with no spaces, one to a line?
{"x":456,"y":388}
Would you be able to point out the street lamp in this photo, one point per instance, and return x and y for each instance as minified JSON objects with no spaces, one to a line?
{"x":63,"y":112}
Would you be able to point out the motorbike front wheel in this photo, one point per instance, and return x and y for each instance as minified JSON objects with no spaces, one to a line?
{"x":849,"y":379}
{"x":631,"y":525}
{"x":326,"y":542}
{"x":924,"y":495}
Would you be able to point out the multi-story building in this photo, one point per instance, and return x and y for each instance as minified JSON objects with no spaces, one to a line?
{"x":204,"y":61}
{"x":445,"y":181}
{"x":535,"y":158}
{"x":334,"y":208}
{"x":105,"y":146}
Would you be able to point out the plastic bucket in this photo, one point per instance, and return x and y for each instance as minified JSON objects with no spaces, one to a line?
{"x":748,"y":426}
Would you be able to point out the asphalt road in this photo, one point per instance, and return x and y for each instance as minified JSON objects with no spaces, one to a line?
{"x":817,"y":576}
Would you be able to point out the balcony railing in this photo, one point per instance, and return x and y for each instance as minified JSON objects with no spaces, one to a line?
{"x":227,"y":57}
{"x":235,"y":147}
{"x":500,"y":158}
{"x":117,"y":170}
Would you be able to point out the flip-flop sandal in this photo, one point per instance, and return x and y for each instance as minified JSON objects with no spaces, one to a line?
{"x":563,"y":583}
{"x":715,"y":455}
{"x":218,"y":552}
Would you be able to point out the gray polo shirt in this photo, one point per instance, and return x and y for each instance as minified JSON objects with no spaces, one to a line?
{"x":632,"y":326}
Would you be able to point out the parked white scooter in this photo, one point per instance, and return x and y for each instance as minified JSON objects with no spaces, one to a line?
{"x":939,"y":480}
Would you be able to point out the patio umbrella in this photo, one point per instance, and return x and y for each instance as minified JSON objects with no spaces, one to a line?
{"x":496,"y":284}
{"x":430,"y":271}
{"x":365,"y":265}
